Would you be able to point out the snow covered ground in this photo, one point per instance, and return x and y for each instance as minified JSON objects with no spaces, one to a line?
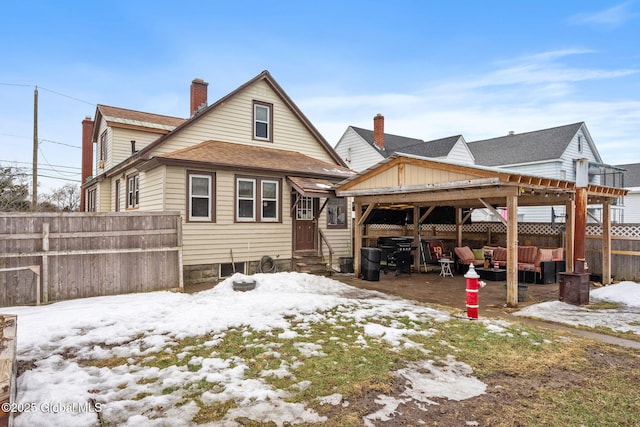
{"x":56,"y":389}
{"x":626,"y":318}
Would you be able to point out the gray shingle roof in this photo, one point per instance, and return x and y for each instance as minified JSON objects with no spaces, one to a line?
{"x":401,"y":144}
{"x":435,"y":148}
{"x":392,"y":143}
{"x":546,"y":144}
{"x":631,"y":174}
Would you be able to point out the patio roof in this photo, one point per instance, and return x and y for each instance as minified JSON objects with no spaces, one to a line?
{"x":405,"y":181}
{"x":419,"y":181}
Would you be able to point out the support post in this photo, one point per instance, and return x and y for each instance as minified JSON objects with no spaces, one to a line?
{"x":459,"y":226}
{"x":416,"y":238}
{"x":512,"y":252}
{"x":357,"y":239}
{"x":580,"y":230}
{"x":570,"y":224}
{"x":606,"y":242}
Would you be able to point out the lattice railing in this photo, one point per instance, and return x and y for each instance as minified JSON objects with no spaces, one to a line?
{"x":617,"y":230}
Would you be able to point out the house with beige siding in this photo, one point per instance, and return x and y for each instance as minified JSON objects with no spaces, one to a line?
{"x":250,"y":174}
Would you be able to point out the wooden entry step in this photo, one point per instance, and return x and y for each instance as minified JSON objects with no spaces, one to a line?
{"x":310,"y":262}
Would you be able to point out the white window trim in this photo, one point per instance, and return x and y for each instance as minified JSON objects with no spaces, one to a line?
{"x":209,"y":197}
{"x":134,"y":201}
{"x":263,"y":199}
{"x":268,"y":121}
{"x":238,"y":199}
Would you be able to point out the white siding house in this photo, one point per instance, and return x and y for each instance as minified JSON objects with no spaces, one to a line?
{"x":550,"y":153}
{"x":631,"y":202}
{"x":362,"y":148}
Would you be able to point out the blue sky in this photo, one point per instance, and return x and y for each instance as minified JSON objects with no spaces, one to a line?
{"x":432,"y":68}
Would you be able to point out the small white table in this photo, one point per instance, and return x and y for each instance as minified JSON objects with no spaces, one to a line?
{"x":445,"y":267}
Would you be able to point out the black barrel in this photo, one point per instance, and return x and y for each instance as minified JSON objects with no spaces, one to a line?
{"x":370,"y":263}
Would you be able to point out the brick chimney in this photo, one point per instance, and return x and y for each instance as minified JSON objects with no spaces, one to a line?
{"x":87,"y":156}
{"x":378,"y":131}
{"x":198,"y":95}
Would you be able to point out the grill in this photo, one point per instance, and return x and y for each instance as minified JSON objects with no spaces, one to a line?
{"x":396,"y":252}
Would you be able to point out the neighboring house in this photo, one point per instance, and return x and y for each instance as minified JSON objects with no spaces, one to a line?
{"x":632,"y":199}
{"x":550,"y":153}
{"x":362,"y":148}
{"x":251,"y":176}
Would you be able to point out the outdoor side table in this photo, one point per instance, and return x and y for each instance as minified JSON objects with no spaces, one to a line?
{"x":445,"y":267}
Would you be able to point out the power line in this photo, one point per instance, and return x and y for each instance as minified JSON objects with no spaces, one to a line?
{"x":15,"y":84}
{"x":59,"y":143}
{"x":52,"y":168}
{"x":28,"y":163}
{"x":50,"y":90}
{"x":41,"y":140}
{"x":68,"y":96}
{"x":56,"y":177}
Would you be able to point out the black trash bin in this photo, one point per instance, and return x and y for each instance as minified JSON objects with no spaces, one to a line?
{"x":370,"y":263}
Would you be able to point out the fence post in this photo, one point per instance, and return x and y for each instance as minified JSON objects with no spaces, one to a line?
{"x":45,"y":262}
{"x":36,"y":271}
{"x":179,"y":244}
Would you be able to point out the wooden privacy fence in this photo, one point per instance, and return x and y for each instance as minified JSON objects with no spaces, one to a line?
{"x":79,"y":255}
{"x":625,"y":241}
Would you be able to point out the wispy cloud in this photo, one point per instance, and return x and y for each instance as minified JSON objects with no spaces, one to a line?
{"x":522,"y":94}
{"x":613,"y":17}
{"x":544,"y":68}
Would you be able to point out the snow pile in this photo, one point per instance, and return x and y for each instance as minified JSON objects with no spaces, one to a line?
{"x":626,"y":318}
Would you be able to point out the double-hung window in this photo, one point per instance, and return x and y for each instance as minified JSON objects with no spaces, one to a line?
{"x":258,"y":199}
{"x":117,"y":196}
{"x":91,"y":203}
{"x":133,"y":191}
{"x":103,"y":148}
{"x":246,"y":199}
{"x":201,"y":198}
{"x":262,"y":121}
{"x":270,"y":194}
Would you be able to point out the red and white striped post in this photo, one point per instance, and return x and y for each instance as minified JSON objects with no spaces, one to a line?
{"x":473,"y":285}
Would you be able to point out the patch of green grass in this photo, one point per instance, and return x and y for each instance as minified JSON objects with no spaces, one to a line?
{"x":110,"y":363}
{"x":213,"y":412}
{"x":513,"y":350}
{"x":168,"y":390}
{"x":141,"y":396}
{"x":602,"y":305}
{"x":609,"y":399}
{"x":345,"y":363}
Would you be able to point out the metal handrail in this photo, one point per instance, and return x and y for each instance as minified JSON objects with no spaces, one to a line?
{"x":324,"y":239}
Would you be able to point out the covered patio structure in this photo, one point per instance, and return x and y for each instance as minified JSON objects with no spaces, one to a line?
{"x":405,"y":181}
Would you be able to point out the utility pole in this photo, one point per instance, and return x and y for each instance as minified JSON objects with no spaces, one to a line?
{"x":34,"y":200}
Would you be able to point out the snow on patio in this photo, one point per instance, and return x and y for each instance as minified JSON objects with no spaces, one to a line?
{"x":136,"y":326}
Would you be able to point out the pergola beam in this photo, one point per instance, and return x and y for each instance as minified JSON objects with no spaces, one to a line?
{"x":494,"y":211}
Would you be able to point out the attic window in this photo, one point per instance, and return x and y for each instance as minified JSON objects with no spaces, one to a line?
{"x":262,"y":121}
{"x":103,"y":147}
{"x":580,"y":144}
